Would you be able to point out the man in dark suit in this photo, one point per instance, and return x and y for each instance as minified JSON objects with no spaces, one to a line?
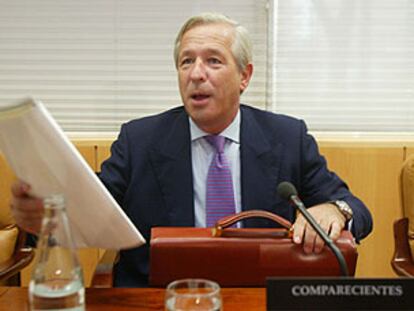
{"x":159,"y":165}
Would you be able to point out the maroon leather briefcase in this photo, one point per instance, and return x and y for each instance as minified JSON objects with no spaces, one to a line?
{"x":236,"y":257}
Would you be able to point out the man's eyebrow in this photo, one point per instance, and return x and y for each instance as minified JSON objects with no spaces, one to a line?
{"x":209,"y":50}
{"x":184,"y":52}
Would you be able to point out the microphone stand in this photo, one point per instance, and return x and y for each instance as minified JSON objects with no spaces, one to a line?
{"x":341,"y":260}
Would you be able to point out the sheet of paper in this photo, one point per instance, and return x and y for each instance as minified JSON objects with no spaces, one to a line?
{"x":40,"y":154}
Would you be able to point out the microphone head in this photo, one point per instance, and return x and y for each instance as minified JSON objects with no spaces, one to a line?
{"x":286,"y":190}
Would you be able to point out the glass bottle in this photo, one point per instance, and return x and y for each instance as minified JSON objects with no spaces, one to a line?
{"x":57,"y":279}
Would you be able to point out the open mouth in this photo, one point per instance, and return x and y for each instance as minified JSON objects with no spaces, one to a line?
{"x":199,"y":97}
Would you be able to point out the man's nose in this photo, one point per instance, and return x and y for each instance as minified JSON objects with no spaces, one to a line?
{"x":198,"y":72}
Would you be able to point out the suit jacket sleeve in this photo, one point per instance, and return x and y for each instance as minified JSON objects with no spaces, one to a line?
{"x":115,"y":170}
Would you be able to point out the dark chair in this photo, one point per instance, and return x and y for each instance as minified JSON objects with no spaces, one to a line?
{"x":402,"y":261}
{"x":15,"y":256}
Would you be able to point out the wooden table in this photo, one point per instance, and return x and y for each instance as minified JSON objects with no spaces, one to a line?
{"x":246,"y":299}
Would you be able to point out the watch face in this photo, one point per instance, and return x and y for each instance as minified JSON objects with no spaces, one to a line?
{"x":345,"y":209}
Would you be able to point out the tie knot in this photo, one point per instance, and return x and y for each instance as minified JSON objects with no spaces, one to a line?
{"x":216,"y":141}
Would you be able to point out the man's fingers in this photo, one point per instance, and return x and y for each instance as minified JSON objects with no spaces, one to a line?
{"x":27,"y":210}
{"x":20,"y":188}
{"x":20,"y":214}
{"x":309,"y":239}
{"x":330,"y":220}
{"x":28,"y":221}
{"x":28,"y":205}
{"x":298,"y":230}
{"x":335,"y":231}
{"x":319,"y":242}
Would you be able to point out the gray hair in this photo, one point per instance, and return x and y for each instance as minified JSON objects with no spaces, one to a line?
{"x":241,"y":46}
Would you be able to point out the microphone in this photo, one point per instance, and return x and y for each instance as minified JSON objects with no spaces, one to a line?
{"x":288,"y":192}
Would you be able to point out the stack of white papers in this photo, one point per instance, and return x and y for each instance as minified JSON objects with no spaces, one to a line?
{"x":41,"y":155}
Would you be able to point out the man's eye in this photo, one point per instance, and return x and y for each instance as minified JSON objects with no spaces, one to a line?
{"x":214,"y":61}
{"x":186,"y":61}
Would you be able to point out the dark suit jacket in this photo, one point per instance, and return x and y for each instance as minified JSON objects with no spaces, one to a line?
{"x":149,"y":173}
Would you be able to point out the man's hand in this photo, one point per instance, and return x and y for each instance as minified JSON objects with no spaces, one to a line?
{"x":328,"y":217}
{"x":27,"y":210}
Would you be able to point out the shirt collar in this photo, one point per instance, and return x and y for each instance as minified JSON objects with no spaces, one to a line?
{"x":232,"y":132}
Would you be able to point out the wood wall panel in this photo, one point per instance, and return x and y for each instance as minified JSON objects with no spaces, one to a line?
{"x":372,"y":174}
{"x":409,"y":151}
{"x":103,"y":151}
{"x":88,"y":150}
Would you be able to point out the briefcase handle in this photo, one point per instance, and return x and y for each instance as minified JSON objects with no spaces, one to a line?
{"x":225,"y":222}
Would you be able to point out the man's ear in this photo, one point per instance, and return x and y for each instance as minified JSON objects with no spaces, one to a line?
{"x":246,"y":74}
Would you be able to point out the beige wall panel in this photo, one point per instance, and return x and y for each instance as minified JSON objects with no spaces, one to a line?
{"x":103,"y":153}
{"x":372,"y":174}
{"x":409,"y":151}
{"x":88,"y":150}
{"x":89,"y":258}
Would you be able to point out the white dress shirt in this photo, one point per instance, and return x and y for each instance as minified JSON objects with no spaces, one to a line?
{"x":201,"y":156}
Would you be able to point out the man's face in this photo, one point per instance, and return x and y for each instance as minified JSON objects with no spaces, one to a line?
{"x":209,"y":79}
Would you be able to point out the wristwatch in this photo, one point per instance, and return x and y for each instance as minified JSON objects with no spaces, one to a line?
{"x":344,"y":208}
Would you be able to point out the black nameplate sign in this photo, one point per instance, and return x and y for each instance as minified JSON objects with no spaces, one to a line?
{"x":339,"y":294}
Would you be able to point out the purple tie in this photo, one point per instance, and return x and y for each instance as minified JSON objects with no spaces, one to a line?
{"x":220,"y":195}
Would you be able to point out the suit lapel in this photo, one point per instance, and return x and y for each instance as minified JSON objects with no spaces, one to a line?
{"x":260,"y":166}
{"x":172,"y":164}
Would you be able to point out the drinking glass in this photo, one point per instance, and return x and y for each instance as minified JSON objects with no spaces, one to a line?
{"x":193,"y":295}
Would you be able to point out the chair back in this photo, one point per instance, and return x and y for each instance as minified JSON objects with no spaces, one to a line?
{"x":6,"y":179}
{"x":14,"y":255}
{"x":407,"y":196}
{"x":8,"y":230}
